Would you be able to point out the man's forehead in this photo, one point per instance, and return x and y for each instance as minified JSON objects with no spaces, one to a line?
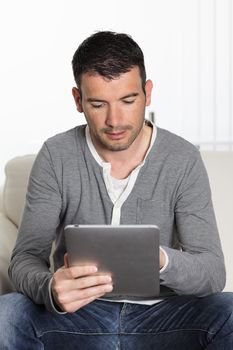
{"x":129,"y":81}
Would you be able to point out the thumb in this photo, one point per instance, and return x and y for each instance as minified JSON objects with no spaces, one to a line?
{"x":66,"y":260}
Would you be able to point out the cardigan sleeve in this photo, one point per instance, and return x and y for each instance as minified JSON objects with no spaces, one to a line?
{"x":198,"y":267}
{"x":29,"y":267}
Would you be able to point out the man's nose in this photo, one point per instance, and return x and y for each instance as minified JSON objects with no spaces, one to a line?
{"x":113,"y":116}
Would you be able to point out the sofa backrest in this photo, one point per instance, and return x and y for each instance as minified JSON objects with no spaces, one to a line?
{"x":17,"y":172}
{"x":219,"y":166}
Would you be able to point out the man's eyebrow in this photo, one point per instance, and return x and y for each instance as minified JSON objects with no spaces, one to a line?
{"x":92,"y":99}
{"x":133,"y":94}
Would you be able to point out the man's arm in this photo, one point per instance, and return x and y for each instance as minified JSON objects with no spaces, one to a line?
{"x":29,"y":267}
{"x":198,"y":268}
{"x":71,"y":287}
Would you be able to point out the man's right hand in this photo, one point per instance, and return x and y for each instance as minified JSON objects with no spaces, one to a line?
{"x":76,"y":286}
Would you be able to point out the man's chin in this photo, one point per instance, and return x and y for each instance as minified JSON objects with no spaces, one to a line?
{"x":116,"y":148}
{"x":118,"y":145}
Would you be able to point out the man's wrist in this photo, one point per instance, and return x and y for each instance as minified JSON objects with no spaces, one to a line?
{"x":52,"y":301}
{"x":164,"y":260}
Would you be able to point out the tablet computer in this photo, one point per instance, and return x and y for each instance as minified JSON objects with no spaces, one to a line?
{"x":129,"y":253}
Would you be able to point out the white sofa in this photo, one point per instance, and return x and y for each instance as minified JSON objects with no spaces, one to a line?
{"x":12,"y":201}
{"x":219,"y":167}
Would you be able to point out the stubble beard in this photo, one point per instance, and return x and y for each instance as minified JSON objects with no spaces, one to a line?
{"x":117,"y":146}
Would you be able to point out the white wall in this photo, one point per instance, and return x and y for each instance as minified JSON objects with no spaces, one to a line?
{"x":188,"y":53}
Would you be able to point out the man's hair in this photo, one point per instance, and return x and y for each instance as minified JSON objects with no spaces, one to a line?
{"x":108,"y":54}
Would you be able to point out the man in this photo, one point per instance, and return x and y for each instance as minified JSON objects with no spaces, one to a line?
{"x":118,"y":169}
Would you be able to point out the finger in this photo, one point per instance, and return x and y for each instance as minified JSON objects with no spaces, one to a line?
{"x":81,"y":283}
{"x":90,"y":281}
{"x":81,"y":271}
{"x":67,"y":297}
{"x":93,"y":291}
{"x":76,"y":305}
{"x":66,"y":261}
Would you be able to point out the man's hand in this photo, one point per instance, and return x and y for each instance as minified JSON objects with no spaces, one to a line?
{"x":162,"y":258}
{"x":73,"y":287}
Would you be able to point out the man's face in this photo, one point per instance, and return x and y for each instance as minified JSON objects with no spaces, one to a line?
{"x":114,"y":109}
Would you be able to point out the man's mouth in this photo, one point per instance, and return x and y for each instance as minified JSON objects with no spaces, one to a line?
{"x":116,"y":135}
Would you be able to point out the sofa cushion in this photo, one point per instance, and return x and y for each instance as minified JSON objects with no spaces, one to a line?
{"x":8,"y":235}
{"x":219,"y":166}
{"x":17,"y":171}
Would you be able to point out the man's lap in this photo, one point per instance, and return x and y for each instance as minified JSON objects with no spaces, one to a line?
{"x":182,"y":319}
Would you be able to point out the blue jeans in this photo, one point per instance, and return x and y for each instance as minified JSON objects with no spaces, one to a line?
{"x":177,"y":323}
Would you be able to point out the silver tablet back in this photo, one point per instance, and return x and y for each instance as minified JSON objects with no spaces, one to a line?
{"x":130,"y":253}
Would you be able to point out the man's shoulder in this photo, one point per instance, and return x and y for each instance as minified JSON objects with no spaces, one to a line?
{"x":66,"y":136}
{"x":65,"y":145}
{"x":175,"y":144}
{"x":175,"y":151}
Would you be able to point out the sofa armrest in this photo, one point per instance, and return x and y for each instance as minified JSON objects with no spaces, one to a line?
{"x":8,"y":234}
{"x":1,"y":198}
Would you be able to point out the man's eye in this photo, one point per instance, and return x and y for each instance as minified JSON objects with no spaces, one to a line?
{"x":97,"y":105}
{"x":128,"y":101}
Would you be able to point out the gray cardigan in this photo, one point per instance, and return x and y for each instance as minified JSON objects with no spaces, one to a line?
{"x":172,"y":191}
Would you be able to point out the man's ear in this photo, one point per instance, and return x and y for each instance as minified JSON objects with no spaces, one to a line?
{"x":148,"y":90}
{"x":77,"y":98}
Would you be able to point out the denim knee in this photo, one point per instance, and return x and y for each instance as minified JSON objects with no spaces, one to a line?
{"x":226,"y":302}
{"x":11,"y":308}
{"x":14,"y":320}
{"x":223,"y":305}
{"x":223,"y":300}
